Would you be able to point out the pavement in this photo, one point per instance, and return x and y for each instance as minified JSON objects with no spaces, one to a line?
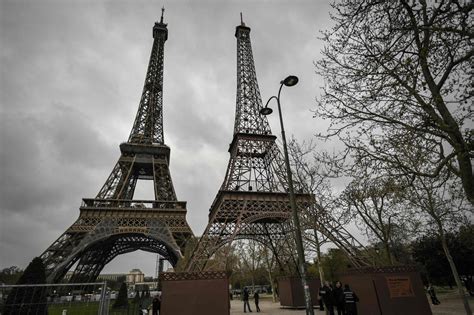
{"x":267,"y":307}
{"x":450,"y":305}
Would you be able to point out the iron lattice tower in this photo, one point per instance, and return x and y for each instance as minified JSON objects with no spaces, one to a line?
{"x":253,"y":202}
{"x":113,"y":223}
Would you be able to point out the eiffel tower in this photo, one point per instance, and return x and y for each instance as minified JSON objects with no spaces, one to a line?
{"x":253,"y":202}
{"x":113,"y":223}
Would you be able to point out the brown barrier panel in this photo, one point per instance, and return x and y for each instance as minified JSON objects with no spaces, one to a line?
{"x":291,"y":292}
{"x":195,"y":293}
{"x":394,"y":290}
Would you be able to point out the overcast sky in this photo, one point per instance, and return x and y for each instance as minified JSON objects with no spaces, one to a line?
{"x":72,"y":74}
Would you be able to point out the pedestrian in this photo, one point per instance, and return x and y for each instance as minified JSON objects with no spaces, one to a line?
{"x":256,"y":298}
{"x":245,"y":297}
{"x":320,"y":300}
{"x":468,"y":284}
{"x":350,"y":300}
{"x":338,"y":294}
{"x":156,"y":304}
{"x":326,"y":294}
{"x":432,"y":293}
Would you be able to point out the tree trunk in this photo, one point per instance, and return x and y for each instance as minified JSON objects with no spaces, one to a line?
{"x":454,"y":271}
{"x":318,"y":255}
{"x":272,"y":284}
{"x":388,"y":253}
{"x":270,"y":277}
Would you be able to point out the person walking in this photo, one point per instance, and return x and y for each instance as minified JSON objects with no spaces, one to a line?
{"x":245,"y":297}
{"x":468,"y":284}
{"x":140,"y":309}
{"x":156,"y":305}
{"x":350,"y":300}
{"x":326,"y":294}
{"x":432,"y":293}
{"x":320,"y":299}
{"x":256,"y":298}
{"x":338,"y":294}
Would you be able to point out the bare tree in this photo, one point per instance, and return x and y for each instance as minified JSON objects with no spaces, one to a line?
{"x":325,"y":221}
{"x":445,"y":208}
{"x":251,"y":256}
{"x":398,"y":86}
{"x":270,"y":263}
{"x":378,"y":208}
{"x":312,"y":178}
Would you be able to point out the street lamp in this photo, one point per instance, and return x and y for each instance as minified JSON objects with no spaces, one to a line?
{"x":291,"y":81}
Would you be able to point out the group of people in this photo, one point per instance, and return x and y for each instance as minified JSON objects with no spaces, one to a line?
{"x":344,"y":299}
{"x":245,"y":298}
{"x":155,"y":307}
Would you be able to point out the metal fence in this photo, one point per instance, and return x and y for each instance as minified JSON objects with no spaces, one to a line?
{"x":55,"y":299}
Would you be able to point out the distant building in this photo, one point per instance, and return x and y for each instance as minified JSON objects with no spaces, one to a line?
{"x":135,"y":275}
{"x":112,"y":277}
{"x":102,"y":277}
{"x":149,"y":279}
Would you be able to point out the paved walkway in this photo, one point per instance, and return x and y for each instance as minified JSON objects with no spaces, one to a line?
{"x":267,"y":307}
{"x":450,"y":305}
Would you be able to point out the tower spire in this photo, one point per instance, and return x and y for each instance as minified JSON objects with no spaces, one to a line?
{"x":249,"y":102}
{"x":253,"y":146}
{"x":148,"y":125}
{"x":162,"y":13}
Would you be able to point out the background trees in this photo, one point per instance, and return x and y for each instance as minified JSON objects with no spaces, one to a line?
{"x":428,"y":253}
{"x":10,"y":275}
{"x":443,"y":205}
{"x":29,"y":300}
{"x":122,"y":297}
{"x":377,"y":206}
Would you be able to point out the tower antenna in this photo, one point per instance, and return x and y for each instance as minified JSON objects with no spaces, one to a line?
{"x":162,"y":13}
{"x":241,"y":19}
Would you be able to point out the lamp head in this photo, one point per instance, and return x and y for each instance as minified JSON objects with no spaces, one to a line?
{"x":266,"y":111}
{"x":290,"y":80}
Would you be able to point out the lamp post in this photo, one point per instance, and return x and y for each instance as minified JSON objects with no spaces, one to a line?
{"x":291,"y":81}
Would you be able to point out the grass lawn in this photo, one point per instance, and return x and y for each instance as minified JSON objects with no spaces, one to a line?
{"x":76,"y":308}
{"x":86,"y":308}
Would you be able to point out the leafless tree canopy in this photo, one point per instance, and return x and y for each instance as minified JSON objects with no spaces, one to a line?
{"x":398,"y":86}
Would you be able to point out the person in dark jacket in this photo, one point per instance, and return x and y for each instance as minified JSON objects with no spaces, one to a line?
{"x":339,"y":302}
{"x":432,"y":293}
{"x":320,"y":299}
{"x":156,"y":304}
{"x":256,"y":298}
{"x":245,"y":298}
{"x":350,"y":299}
{"x":327,"y":295}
